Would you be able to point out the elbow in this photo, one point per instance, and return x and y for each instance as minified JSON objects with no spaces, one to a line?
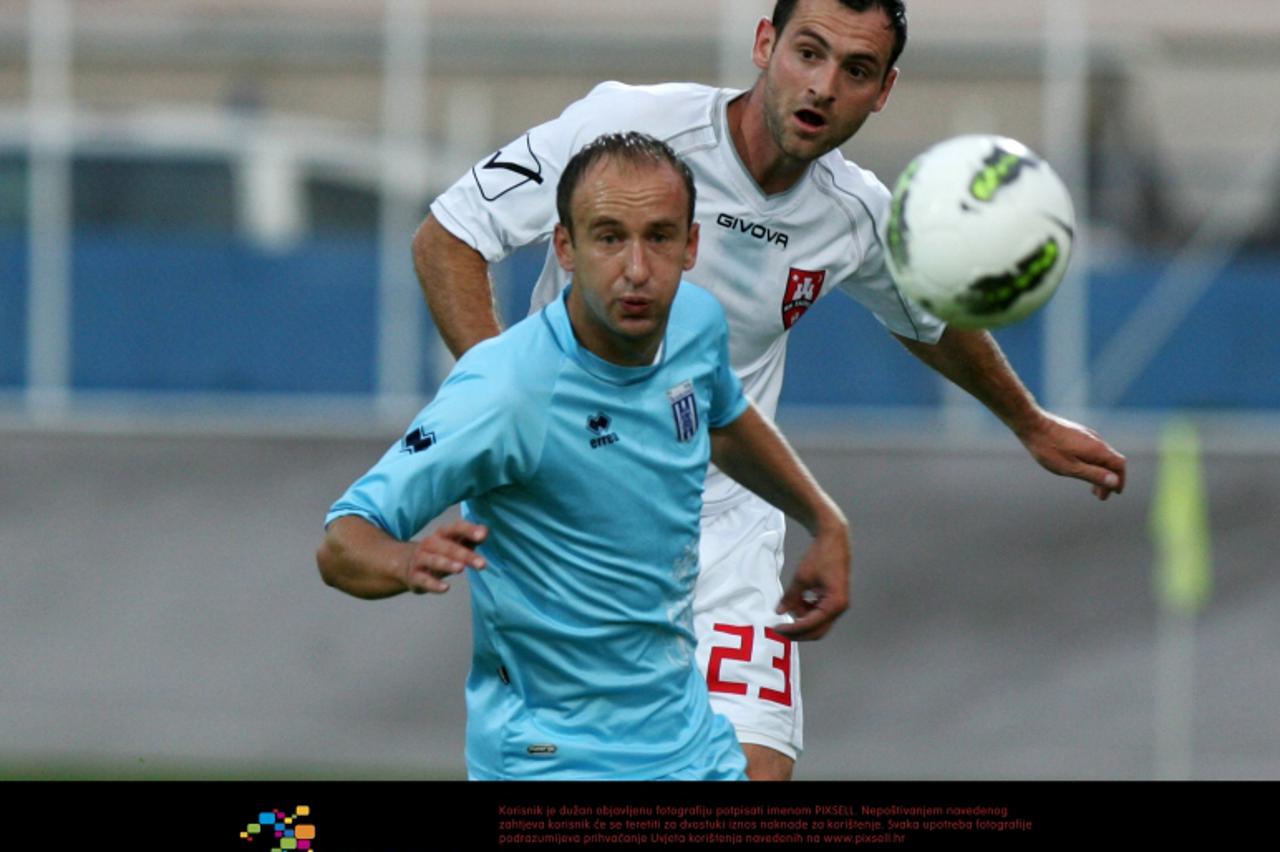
{"x":327,"y":563}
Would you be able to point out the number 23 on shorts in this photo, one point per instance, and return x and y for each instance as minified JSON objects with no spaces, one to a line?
{"x":743,"y":653}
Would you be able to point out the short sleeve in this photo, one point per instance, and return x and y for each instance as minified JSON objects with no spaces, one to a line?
{"x":481,"y":432}
{"x":871,"y":285}
{"x":727,"y":399}
{"x":508,"y":199}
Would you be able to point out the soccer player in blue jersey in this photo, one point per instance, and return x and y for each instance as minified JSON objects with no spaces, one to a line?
{"x":787,"y":222}
{"x":579,"y":441}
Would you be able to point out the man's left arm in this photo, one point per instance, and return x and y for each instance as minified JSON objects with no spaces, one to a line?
{"x":752,"y":451}
{"x":973,"y":361}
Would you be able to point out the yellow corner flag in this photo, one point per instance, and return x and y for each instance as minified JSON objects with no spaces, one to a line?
{"x":1180,"y":521}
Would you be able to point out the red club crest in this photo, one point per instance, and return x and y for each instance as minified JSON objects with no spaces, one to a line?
{"x":803,"y":288}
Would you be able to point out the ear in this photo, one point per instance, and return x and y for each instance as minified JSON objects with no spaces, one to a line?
{"x":766,"y":38}
{"x":563,"y":242}
{"x":691,"y":248}
{"x":889,"y":80}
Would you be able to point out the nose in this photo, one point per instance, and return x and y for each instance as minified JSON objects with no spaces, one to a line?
{"x":822,"y":82}
{"x":638,"y":270}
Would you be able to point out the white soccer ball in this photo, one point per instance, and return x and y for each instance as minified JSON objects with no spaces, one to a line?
{"x":980,"y":231}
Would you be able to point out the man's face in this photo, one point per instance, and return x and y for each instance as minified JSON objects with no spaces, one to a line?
{"x":631,"y":242}
{"x":823,"y":75}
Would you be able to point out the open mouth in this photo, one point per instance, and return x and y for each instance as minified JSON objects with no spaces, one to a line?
{"x":635,"y":307}
{"x":810,"y":119}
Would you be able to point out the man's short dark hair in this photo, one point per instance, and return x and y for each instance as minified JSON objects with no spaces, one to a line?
{"x":895,"y":10}
{"x":632,"y":147}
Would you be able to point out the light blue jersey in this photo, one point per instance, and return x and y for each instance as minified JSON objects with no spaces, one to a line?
{"x":589,"y":476}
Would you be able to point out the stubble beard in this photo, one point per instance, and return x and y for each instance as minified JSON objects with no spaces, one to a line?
{"x":775,"y":119}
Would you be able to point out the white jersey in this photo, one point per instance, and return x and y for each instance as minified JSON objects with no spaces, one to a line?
{"x":767,"y":258}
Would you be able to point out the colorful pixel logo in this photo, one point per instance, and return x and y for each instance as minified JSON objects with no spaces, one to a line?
{"x":284,"y":829}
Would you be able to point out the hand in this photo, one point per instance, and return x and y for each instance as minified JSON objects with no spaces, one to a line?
{"x":819,"y":592}
{"x":448,"y":550}
{"x":1069,"y":449}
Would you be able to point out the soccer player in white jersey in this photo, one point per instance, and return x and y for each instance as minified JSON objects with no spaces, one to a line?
{"x":786,"y":221}
{"x":579,"y":440}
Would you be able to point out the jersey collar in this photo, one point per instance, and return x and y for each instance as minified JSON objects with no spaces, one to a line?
{"x":556,"y":316}
{"x":740,"y":177}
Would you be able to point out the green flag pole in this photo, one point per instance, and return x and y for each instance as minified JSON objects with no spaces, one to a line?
{"x":1179,"y":526}
{"x":1180,"y":522}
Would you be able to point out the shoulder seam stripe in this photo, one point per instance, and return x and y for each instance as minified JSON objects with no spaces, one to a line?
{"x":875,"y":234}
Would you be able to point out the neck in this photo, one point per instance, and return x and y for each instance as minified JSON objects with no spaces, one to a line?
{"x":616,"y":349}
{"x":769,"y":166}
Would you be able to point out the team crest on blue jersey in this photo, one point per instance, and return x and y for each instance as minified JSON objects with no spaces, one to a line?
{"x":803,"y":288}
{"x":684,"y":408}
{"x":417,"y":441}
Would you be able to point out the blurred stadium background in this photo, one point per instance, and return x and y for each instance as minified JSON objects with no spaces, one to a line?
{"x":209,"y":325}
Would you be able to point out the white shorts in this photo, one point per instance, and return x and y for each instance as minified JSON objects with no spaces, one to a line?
{"x":752,"y":671}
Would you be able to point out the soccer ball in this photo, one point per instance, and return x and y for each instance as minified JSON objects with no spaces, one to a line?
{"x":980,"y":231}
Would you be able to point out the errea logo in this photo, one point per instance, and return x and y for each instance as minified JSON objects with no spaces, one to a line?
{"x":417,"y":441}
{"x":598,"y":424}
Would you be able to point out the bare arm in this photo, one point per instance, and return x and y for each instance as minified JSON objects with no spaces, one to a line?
{"x":363,"y":560}
{"x":455,"y":280}
{"x":753,"y":452}
{"x":974,"y":362}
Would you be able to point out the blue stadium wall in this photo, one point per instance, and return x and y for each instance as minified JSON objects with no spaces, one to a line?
{"x":174,"y":314}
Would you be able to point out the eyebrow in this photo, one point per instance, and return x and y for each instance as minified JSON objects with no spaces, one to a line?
{"x":860,"y":56}
{"x":805,"y":32}
{"x":610,"y":222}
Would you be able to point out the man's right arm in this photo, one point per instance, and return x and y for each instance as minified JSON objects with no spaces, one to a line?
{"x":455,"y":280}
{"x":363,"y":560}
{"x":753,"y":452}
{"x":478,"y":434}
